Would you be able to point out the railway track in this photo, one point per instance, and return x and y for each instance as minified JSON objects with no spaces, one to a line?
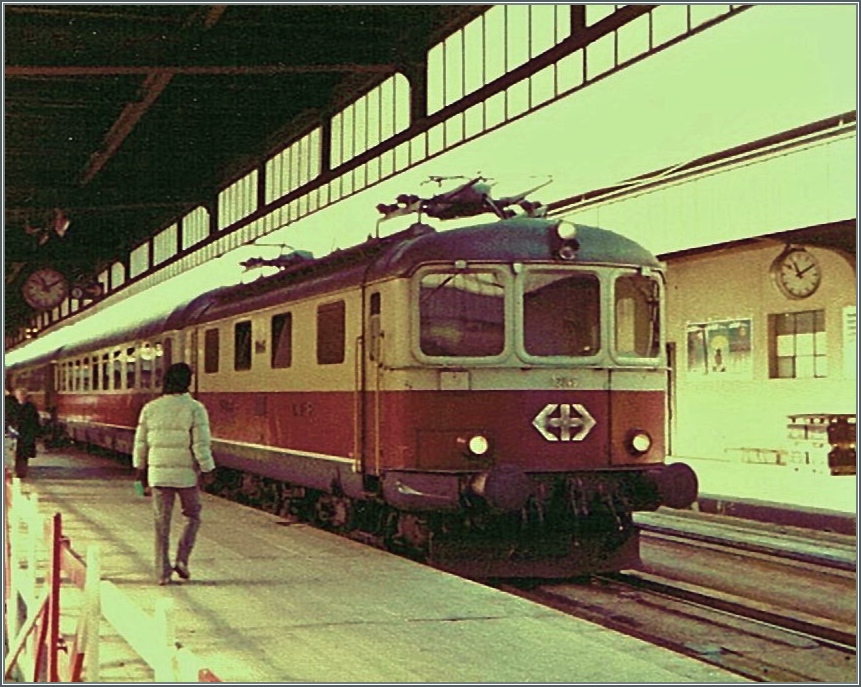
{"x":773,"y":635}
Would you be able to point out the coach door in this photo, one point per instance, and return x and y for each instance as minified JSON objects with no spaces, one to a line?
{"x":192,"y":356}
{"x":369,"y":406}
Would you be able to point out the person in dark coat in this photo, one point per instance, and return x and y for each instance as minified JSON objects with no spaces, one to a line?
{"x":10,"y":410}
{"x":27,"y":425}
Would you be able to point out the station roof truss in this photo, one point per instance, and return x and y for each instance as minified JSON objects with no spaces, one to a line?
{"x":838,"y":235}
{"x":142,"y":140}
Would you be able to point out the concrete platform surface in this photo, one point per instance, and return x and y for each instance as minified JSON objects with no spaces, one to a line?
{"x":794,"y":487}
{"x":274,"y":602}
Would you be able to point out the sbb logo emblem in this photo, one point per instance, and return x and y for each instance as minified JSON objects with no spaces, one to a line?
{"x":572,"y":423}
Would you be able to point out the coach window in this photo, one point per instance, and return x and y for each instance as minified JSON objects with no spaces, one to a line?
{"x":145,"y":369}
{"x":106,"y":371}
{"x":85,"y":375}
{"x":131,"y":368}
{"x":167,"y":353}
{"x":462,"y":314}
{"x":331,"y":333}
{"x":158,"y":364}
{"x":210,"y":351}
{"x":118,"y":369}
{"x":97,"y":377}
{"x":282,"y":340}
{"x":242,"y":345}
{"x":561,"y":313}
{"x":637,"y":314}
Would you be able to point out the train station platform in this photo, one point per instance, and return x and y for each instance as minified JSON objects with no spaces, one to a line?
{"x":271,"y":601}
{"x":783,"y":494}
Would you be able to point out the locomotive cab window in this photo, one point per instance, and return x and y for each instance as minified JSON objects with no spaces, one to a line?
{"x":637,"y":316}
{"x":282,"y":340}
{"x":331,"y":333}
{"x":462,"y":314}
{"x":561,"y":313}
{"x":210,"y":350}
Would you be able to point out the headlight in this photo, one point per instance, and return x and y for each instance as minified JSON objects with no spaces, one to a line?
{"x":639,"y":442}
{"x":476,"y":445}
{"x":564,"y":244}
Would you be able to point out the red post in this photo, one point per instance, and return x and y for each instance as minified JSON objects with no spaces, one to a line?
{"x":54,"y":602}
{"x":206,"y":675}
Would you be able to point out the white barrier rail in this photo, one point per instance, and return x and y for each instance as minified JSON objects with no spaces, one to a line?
{"x":38,"y":560}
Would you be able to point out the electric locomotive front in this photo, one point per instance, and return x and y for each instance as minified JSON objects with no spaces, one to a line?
{"x":521,"y":420}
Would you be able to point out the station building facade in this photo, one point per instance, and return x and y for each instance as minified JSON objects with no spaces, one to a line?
{"x":760,"y":333}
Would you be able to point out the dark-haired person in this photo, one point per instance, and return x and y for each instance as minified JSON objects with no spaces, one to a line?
{"x":27,"y":425}
{"x":172,"y":448}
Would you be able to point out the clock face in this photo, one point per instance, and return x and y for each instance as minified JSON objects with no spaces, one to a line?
{"x":45,"y":288}
{"x":796,"y":273}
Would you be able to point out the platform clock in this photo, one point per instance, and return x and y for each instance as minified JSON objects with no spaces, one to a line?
{"x":796,"y":273}
{"x":45,"y":288}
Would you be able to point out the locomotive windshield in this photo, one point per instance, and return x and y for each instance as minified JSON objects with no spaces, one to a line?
{"x":462,"y":314}
{"x":637,"y":316}
{"x":561,"y":313}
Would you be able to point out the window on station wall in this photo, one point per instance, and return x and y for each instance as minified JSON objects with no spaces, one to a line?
{"x":210,"y":351}
{"x":798,"y":348}
{"x":282,"y":340}
{"x":331,"y":333}
{"x":118,"y":369}
{"x":131,"y":367}
{"x":242,"y":345}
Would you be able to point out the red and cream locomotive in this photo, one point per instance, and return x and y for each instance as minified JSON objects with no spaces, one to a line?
{"x":491,"y":397}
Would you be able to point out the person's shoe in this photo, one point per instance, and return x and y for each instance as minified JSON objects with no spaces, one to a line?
{"x":182,"y":570}
{"x":165,"y":580}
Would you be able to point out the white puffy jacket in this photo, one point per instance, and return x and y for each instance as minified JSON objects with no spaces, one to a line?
{"x":172,"y":441}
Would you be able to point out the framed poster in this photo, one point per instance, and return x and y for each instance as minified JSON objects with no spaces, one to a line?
{"x":721,"y":348}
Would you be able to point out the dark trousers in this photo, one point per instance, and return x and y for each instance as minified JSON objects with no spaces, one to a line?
{"x":21,"y":466}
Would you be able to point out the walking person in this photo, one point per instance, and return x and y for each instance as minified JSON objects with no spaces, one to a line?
{"x":171,"y":450}
{"x":26,"y":424}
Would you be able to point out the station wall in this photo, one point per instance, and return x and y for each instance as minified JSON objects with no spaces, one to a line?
{"x":734,"y":404}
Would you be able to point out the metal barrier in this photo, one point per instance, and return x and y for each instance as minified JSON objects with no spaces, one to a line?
{"x":41,"y":566}
{"x":826,"y":439}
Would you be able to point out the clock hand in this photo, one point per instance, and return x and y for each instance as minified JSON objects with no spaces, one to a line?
{"x":809,"y":267}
